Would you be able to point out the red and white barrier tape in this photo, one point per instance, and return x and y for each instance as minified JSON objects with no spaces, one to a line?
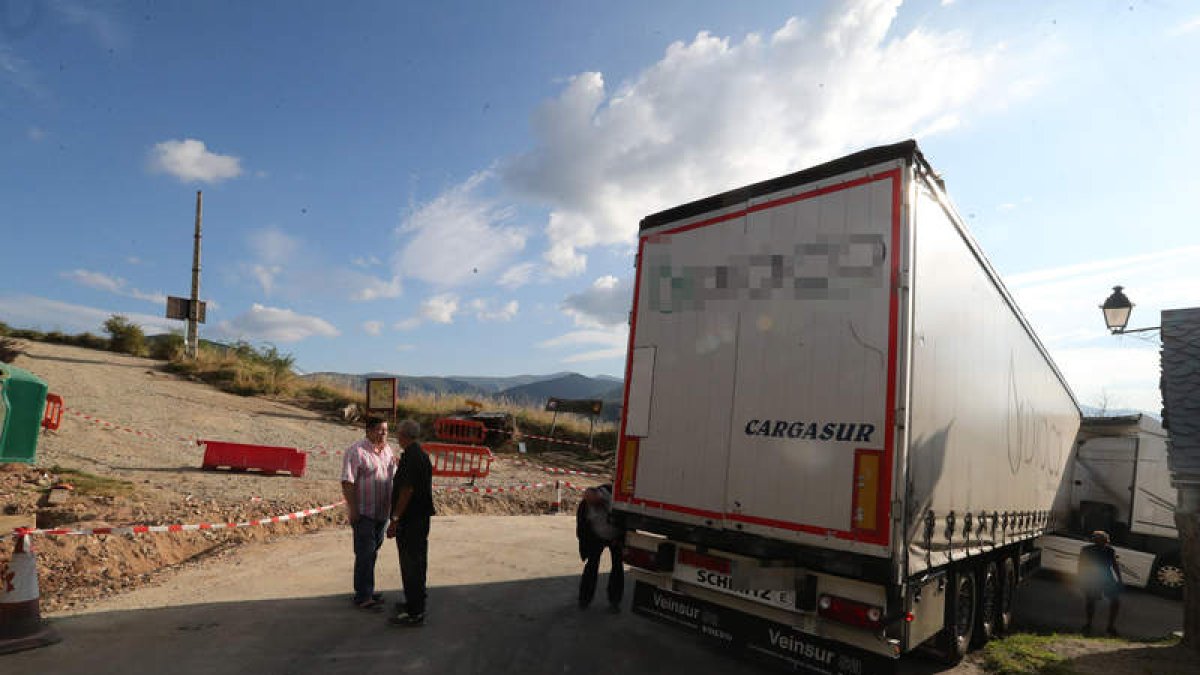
{"x":506,"y":488}
{"x":320,"y":449}
{"x":555,"y":469}
{"x":112,"y":425}
{"x":198,"y":527}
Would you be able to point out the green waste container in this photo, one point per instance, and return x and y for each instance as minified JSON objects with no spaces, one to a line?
{"x":22,"y":404}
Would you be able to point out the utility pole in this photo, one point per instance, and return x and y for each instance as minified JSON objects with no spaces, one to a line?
{"x":193,"y":338}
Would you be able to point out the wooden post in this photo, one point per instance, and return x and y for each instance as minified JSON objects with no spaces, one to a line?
{"x":193,"y":338}
{"x":553,"y":423}
{"x":591,"y":429}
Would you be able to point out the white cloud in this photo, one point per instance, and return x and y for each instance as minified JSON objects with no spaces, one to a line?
{"x":1063,"y":305}
{"x":606,"y":303}
{"x":20,"y":73}
{"x":366,"y":261}
{"x":405,"y":347}
{"x":111,"y":284}
{"x":440,"y":308}
{"x":408,"y":324}
{"x":190,"y":160}
{"x":265,"y":276}
{"x":458,"y":236}
{"x":715,"y":113}
{"x":26,"y":311}
{"x":486,"y":310}
{"x":105,"y":30}
{"x":272,"y":249}
{"x":611,"y":343}
{"x":372,"y":327}
{"x":374,"y":289}
{"x":36,"y":134}
{"x":1184,"y":27}
{"x":133,"y":260}
{"x":516,"y":276}
{"x":275,"y":325}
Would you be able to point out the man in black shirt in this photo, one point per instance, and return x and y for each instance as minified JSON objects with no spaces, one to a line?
{"x":1100,"y":575}
{"x":412,"y":506}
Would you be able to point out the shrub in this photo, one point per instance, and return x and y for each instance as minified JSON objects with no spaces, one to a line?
{"x":91,"y":341}
{"x":125,"y":336}
{"x":10,"y":349}
{"x":166,"y":347}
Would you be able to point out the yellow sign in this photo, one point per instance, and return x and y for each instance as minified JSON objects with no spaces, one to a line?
{"x":381,"y":394}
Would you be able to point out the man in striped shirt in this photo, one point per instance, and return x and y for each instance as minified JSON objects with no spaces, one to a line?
{"x":367,"y":469}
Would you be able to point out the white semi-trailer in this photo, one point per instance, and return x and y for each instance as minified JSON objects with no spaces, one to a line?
{"x":1118,"y":481}
{"x":840,"y":436}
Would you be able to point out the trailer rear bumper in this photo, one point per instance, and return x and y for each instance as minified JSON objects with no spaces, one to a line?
{"x":755,"y":635}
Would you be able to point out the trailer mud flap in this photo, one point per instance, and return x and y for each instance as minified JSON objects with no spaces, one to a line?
{"x":770,"y":641}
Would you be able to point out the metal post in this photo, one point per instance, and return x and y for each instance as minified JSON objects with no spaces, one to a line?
{"x":553,"y":423}
{"x":557,"y":496}
{"x":193,"y":338}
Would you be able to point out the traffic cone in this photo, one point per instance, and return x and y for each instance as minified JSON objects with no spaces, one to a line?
{"x":21,"y":625}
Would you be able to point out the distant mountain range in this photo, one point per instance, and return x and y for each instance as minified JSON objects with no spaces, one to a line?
{"x":530,"y":390}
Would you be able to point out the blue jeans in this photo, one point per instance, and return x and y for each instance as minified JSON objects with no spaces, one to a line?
{"x":368,"y":537}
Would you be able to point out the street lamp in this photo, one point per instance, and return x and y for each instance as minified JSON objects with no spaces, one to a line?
{"x":1117,"y":309}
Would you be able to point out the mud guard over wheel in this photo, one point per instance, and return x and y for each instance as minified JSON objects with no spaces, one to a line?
{"x":987,"y":615}
{"x":1008,"y":593}
{"x":954,"y":641}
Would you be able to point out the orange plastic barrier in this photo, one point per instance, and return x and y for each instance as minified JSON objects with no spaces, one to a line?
{"x":457,"y":430}
{"x":240,"y":457}
{"x":54,"y":411}
{"x":460,"y":461}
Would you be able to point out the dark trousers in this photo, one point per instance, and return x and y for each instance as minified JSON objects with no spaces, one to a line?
{"x":591,"y":570}
{"x":412,"y":541}
{"x":368,"y":537}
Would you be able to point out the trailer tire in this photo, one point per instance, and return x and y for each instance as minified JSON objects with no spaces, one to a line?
{"x":961,"y":608}
{"x":1166,"y":579}
{"x":1008,"y":593}
{"x":987,"y":613}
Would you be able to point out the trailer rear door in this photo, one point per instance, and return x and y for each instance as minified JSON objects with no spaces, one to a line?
{"x":762,"y":377}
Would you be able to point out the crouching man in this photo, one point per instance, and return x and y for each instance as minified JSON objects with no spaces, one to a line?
{"x":596,"y":534}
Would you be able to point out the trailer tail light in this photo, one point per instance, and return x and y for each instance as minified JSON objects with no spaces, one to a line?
{"x":850,"y":612}
{"x":629,"y":458}
{"x":704,"y":561}
{"x":659,"y":559}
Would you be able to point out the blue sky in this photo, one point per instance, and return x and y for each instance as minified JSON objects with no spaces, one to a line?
{"x":454,"y":188}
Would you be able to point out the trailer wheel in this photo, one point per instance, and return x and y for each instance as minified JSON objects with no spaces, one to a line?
{"x":1008,"y":591}
{"x":1167,"y":577}
{"x":987,"y":617}
{"x":960,"y":617}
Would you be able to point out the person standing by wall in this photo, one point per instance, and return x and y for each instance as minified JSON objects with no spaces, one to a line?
{"x":1100,"y":575}
{"x":367,"y":468}
{"x":412,"y":507}
{"x":595,"y":534}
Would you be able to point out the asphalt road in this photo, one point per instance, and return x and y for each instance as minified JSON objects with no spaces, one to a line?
{"x":1048,"y":603}
{"x":501,"y":600}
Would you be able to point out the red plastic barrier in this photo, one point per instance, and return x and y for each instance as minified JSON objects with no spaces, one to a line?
{"x":460,"y":461}
{"x":241,"y":457}
{"x":54,"y":412}
{"x":457,"y":430}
